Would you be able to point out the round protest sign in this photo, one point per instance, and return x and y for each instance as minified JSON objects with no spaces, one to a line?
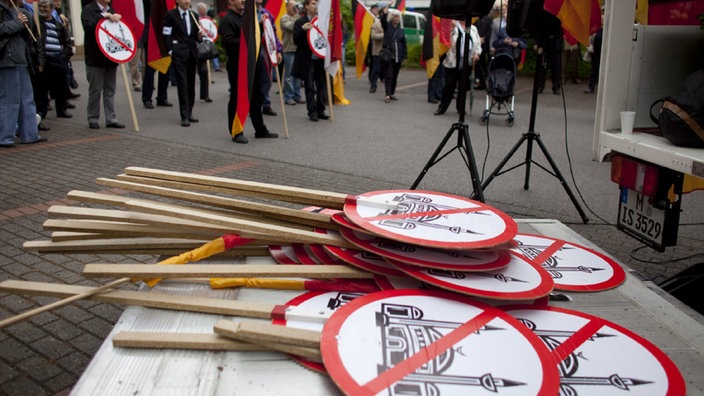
{"x":431,"y":219}
{"x":116,"y":40}
{"x":210,"y":29}
{"x":317,"y":41}
{"x":572,"y":267}
{"x":598,"y":357}
{"x":270,"y":40}
{"x":417,"y":342}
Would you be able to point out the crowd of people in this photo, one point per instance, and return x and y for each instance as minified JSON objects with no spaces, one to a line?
{"x":37,"y":62}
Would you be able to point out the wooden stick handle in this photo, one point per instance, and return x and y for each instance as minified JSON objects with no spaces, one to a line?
{"x":224,"y":271}
{"x":61,"y":303}
{"x":130,"y":101}
{"x":305,"y":343}
{"x":196,"y":341}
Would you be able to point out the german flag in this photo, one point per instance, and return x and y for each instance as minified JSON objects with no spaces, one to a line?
{"x":580,"y":18}
{"x":363,"y":20}
{"x":157,"y":55}
{"x":436,"y":41}
{"x":249,"y":50}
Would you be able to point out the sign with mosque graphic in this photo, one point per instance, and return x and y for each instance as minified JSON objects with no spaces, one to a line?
{"x":116,"y":40}
{"x":210,"y":29}
{"x":573,"y":267}
{"x":431,"y":219}
{"x":413,"y":342}
{"x":598,"y":357}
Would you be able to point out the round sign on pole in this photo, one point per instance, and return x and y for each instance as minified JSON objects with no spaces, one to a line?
{"x":270,"y":40}
{"x":317,"y":41}
{"x":573,"y":267}
{"x":598,"y":357}
{"x":433,"y":343}
{"x":431,"y":219}
{"x":209,"y":28}
{"x":116,"y":40}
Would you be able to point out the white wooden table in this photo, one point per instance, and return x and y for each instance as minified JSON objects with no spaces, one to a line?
{"x":635,"y":305}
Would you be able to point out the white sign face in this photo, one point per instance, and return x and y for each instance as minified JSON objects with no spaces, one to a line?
{"x":116,"y":40}
{"x":270,"y":40}
{"x":597,"y":357}
{"x":431,"y":219}
{"x":209,"y":28}
{"x":317,"y":41}
{"x":433,"y":343}
{"x":460,"y":260}
{"x":519,"y":280}
{"x":362,"y":259}
{"x":283,"y":254}
{"x":573,"y":267}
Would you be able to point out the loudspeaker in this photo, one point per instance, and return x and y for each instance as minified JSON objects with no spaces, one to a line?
{"x":528,"y":18}
{"x":460,"y":9}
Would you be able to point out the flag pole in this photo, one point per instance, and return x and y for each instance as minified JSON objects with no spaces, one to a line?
{"x":327,"y":84}
{"x":281,"y":97}
{"x":129,"y":97}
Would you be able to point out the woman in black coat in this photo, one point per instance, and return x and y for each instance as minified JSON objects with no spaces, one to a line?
{"x":394,"y":51}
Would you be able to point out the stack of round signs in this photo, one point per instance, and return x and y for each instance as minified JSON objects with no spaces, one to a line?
{"x":441,"y":240}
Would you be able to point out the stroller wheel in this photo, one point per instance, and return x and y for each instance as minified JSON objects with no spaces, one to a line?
{"x":509,"y":121}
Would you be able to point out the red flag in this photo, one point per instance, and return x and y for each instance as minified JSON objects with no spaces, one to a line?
{"x":132,"y":12}
{"x":157,"y":55}
{"x":580,"y":18}
{"x":249,"y":50}
{"x":335,"y":32}
{"x":363,"y":20}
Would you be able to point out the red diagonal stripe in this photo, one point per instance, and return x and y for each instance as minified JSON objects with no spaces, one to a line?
{"x":577,"y":339}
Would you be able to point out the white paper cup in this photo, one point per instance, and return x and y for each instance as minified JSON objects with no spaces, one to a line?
{"x":628,"y":118}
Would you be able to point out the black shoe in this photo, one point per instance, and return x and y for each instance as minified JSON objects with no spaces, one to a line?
{"x":268,"y":135}
{"x":43,"y":127}
{"x":300,"y":101}
{"x":64,"y":115}
{"x":165,"y":103}
{"x":70,"y":105}
{"x":540,"y":90}
{"x":313,"y":117}
{"x":433,"y":101}
{"x":207,"y":100}
{"x":323,"y":116}
{"x":9,"y":145}
{"x":148,"y":105}
{"x":268,"y":111}
{"x":439,"y":111}
{"x":191,"y":119}
{"x":137,"y":89}
{"x":115,"y":125}
{"x":185,"y":122}
{"x":556,"y":91}
{"x":93,"y":125}
{"x":372,"y":89}
{"x":239,"y":138}
{"x":72,"y":95}
{"x":393,"y":97}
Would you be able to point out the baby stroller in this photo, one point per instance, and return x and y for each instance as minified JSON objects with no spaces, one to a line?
{"x":501,"y":80}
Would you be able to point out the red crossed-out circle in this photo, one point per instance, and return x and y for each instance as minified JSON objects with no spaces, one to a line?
{"x":105,"y":35}
{"x":395,"y":339}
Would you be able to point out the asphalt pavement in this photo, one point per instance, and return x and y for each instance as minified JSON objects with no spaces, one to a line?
{"x":368,"y":145}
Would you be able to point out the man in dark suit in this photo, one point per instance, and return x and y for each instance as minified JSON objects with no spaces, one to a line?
{"x":309,"y":68}
{"x":181,"y":32}
{"x":100,"y":71}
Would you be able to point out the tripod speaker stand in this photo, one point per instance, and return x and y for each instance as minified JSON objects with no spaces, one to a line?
{"x":464,"y":144}
{"x":530,"y":137}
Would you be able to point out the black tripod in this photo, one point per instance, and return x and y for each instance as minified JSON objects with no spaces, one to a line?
{"x":464,"y":145}
{"x":529,"y":137}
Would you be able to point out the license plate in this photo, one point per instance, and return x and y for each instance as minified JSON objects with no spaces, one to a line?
{"x":638,"y":218}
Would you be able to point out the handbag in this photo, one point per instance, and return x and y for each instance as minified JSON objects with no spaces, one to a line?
{"x":681,"y":117}
{"x":385,"y":55}
{"x":206,"y":50}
